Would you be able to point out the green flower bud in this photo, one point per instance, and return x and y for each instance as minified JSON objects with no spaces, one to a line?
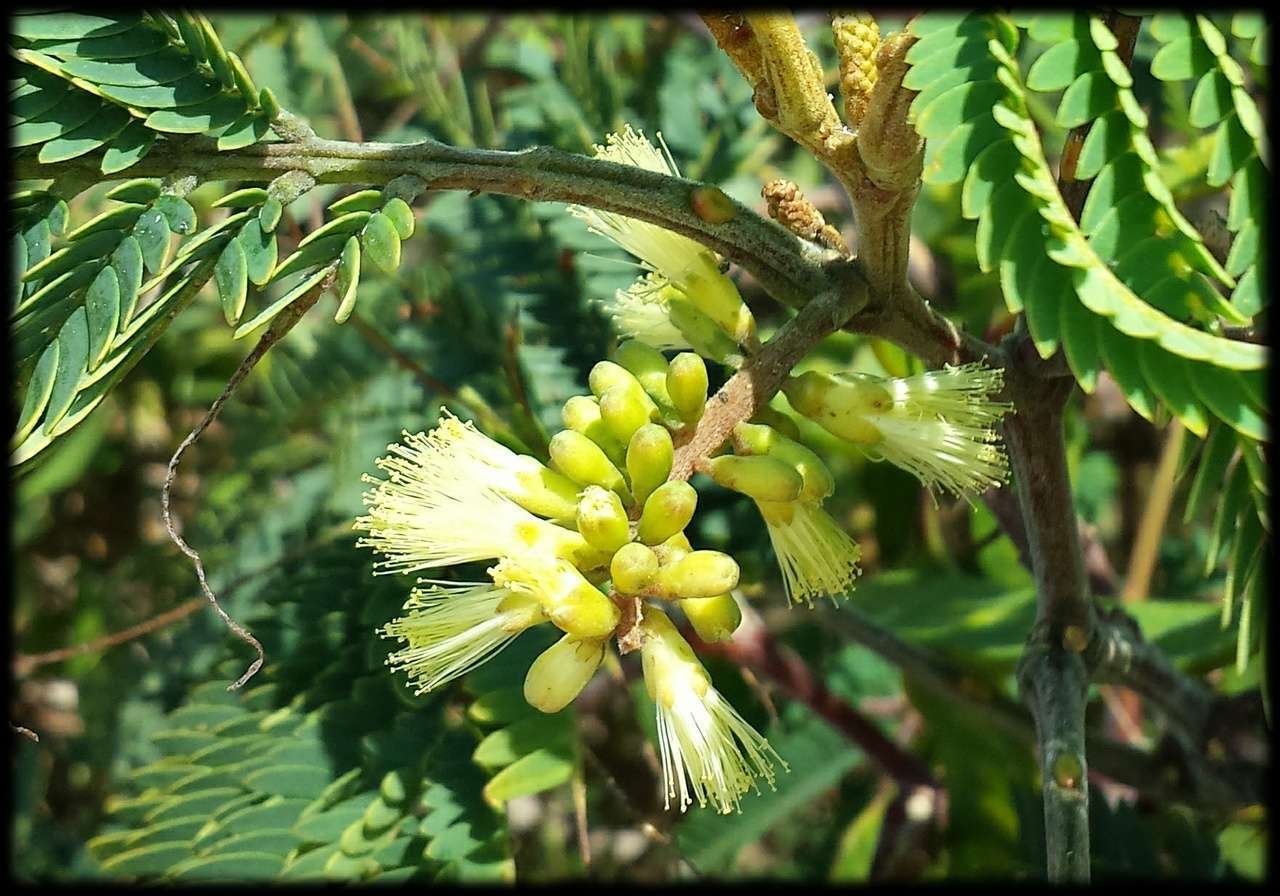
{"x":713,"y":618}
{"x":581,"y":460}
{"x":687,"y":385}
{"x":698,"y":574}
{"x":602,"y":520}
{"x":762,"y":478}
{"x":606,"y":374}
{"x":649,"y":457}
{"x":633,"y":568}
{"x":646,"y":364}
{"x":666,"y":512}
{"x":703,"y":335}
{"x":623,"y":409}
{"x":764,"y":440}
{"x":779,"y":421}
{"x":581,"y":413}
{"x":560,"y":673}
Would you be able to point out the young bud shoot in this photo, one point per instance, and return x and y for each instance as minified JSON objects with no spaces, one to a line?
{"x":581,"y":460}
{"x":647,"y":365}
{"x":569,"y":600}
{"x":762,"y":478}
{"x":698,"y":574}
{"x":713,"y":618}
{"x":783,"y":423}
{"x":581,"y":413}
{"x":633,"y":568}
{"x":624,"y":409}
{"x":757,"y":439}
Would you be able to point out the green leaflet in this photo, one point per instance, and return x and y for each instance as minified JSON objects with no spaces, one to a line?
{"x":92,"y":70}
{"x":1114,"y":284}
{"x":232,"y":276}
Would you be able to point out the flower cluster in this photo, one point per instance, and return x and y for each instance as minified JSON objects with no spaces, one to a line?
{"x":601,"y":526}
{"x":598,"y":527}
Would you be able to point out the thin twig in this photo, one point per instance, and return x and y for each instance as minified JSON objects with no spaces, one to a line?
{"x":579,"y":788}
{"x":279,"y":327}
{"x":23,"y":664}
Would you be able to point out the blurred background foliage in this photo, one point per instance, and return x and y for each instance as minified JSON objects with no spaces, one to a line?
{"x":327,"y":766}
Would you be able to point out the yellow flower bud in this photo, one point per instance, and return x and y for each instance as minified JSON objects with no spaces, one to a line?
{"x":687,"y":385}
{"x":606,"y":374}
{"x":633,"y":568}
{"x":623,"y":409}
{"x":698,"y":574}
{"x":581,"y":413}
{"x":581,"y":460}
{"x":560,"y":673}
{"x":764,"y":440}
{"x":762,"y":478}
{"x":713,"y":618}
{"x":602,"y":520}
{"x":586,"y":612}
{"x":666,"y":511}
{"x":649,"y":457}
{"x":648,"y":365}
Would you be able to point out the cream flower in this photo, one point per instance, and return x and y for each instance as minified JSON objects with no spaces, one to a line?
{"x":689,"y":266}
{"x":939,"y":425}
{"x":448,"y":499}
{"x":816,"y":556}
{"x":454,"y":627}
{"x":705,"y":745}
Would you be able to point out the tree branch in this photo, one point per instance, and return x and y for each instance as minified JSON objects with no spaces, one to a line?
{"x":790,"y":269}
